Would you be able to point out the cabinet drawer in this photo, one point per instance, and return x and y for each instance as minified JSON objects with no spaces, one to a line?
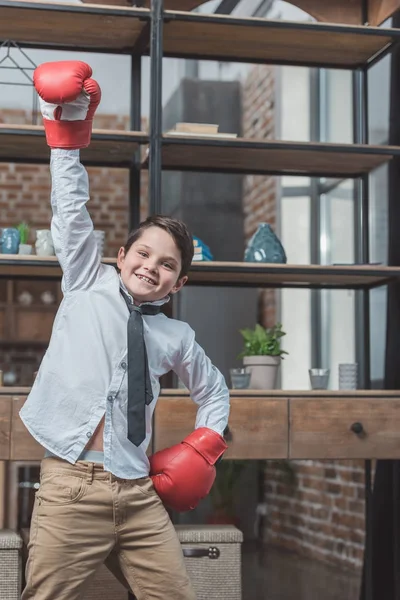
{"x":258,"y":426}
{"x":23,"y":445}
{"x":330,"y":428}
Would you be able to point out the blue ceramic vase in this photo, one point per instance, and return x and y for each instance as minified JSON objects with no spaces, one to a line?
{"x":9,"y":241}
{"x":265,"y":247}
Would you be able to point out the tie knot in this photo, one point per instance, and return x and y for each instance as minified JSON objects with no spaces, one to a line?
{"x":147,"y":309}
{"x":144,"y":309}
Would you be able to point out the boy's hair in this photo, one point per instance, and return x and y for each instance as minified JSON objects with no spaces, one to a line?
{"x":177,"y":229}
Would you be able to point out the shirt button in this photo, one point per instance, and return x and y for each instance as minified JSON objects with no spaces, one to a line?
{"x":110,"y":398}
{"x":89,"y":434}
{"x":123,"y":365}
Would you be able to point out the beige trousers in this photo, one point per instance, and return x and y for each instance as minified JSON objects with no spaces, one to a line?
{"x":84,"y":516}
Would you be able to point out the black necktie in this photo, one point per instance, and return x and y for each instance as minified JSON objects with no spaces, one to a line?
{"x":139,"y":385}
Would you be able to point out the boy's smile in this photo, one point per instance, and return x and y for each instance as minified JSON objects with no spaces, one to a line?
{"x":150,"y":269}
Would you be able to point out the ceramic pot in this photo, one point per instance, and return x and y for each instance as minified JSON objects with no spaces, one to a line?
{"x":10,"y":240}
{"x":25,"y":249}
{"x":264,"y":371}
{"x":44,"y":243}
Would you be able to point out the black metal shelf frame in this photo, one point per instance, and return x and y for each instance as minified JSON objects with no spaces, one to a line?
{"x":156,"y":19}
{"x":361,"y":202}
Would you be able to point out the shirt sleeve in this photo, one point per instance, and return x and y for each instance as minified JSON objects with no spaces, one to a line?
{"x":71,"y":226}
{"x":206,"y":385}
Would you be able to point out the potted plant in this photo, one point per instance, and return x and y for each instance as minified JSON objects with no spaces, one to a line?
{"x":262,"y":355}
{"x":222,"y":492}
{"x":24,"y":247}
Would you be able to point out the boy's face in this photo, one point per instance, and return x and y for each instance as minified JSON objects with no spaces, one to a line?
{"x":150,"y":269}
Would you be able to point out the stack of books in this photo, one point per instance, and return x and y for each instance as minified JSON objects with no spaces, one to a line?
{"x":199,"y":130}
{"x":201,"y":251}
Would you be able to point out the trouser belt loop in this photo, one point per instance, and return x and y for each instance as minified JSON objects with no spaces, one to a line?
{"x":89,"y":473}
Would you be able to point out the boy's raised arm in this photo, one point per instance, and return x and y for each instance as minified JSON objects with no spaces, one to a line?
{"x":68,"y":100}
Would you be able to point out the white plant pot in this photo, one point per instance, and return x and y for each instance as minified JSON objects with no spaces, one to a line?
{"x":25,"y":249}
{"x":264,"y":371}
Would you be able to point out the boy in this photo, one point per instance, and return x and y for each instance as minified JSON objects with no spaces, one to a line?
{"x":94,"y":396}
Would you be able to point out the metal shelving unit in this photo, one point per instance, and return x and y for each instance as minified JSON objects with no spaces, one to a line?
{"x":142,"y":31}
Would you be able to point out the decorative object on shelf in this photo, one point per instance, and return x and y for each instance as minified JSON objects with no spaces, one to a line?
{"x":262,"y":355}
{"x":44,"y":243}
{"x":319,"y":378}
{"x":9,"y":377}
{"x":9,"y":240}
{"x":25,"y":298}
{"x":47,"y":297}
{"x":100,"y":237}
{"x":201,"y":251}
{"x":1,"y":378}
{"x":348,"y":376}
{"x":264,"y":246}
{"x":240,"y":378}
{"x":24,"y":247}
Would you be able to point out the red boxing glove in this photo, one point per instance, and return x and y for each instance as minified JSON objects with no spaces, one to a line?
{"x":183,"y":474}
{"x":68,"y":100}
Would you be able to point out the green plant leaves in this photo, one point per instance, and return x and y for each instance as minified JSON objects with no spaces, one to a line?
{"x":262,"y":342}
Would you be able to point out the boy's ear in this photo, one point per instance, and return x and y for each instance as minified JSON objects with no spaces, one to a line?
{"x":120,"y":257}
{"x":179,"y":284}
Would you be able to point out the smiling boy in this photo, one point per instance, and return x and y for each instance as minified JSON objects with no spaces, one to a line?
{"x":100,"y":497}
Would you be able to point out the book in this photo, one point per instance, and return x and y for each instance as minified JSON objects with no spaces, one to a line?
{"x":208,"y":128}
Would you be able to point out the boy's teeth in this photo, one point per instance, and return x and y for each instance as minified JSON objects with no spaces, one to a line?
{"x":145,"y":279}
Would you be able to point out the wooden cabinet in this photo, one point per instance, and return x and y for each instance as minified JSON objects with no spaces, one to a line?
{"x":29,"y":322}
{"x":344,"y":427}
{"x":23,"y":446}
{"x":258,"y":427}
{"x":263,"y":425}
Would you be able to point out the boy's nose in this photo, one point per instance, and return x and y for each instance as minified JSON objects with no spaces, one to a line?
{"x":151,"y":267}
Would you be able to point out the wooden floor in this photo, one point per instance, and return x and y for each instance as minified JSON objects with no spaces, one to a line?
{"x":279,"y":575}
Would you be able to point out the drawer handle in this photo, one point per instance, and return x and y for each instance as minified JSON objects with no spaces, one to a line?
{"x":211,"y":552}
{"x":357,"y":428}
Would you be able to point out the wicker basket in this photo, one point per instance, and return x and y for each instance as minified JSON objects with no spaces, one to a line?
{"x":10,"y":565}
{"x":213,"y":560}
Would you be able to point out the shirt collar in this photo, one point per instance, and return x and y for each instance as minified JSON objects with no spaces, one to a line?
{"x":132,"y":300}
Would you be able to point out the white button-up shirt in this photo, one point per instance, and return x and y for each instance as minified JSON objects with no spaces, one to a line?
{"x":83,"y":375}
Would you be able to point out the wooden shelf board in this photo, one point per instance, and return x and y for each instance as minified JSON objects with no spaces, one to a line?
{"x":246,"y":156}
{"x":168,"y":4}
{"x":280,"y":275}
{"x":27,"y":143}
{"x":117,"y":27}
{"x":285,"y":394}
{"x":215,"y":273}
{"x":82,"y":27}
{"x":194,"y":35}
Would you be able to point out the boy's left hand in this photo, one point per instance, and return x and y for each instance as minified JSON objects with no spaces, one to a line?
{"x":183,"y":474}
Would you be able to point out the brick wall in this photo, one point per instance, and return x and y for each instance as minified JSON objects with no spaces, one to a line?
{"x":259,"y":192}
{"x":25,"y":190}
{"x":321,"y":514}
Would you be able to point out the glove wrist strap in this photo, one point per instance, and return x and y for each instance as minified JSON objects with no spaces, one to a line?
{"x":208,"y":443}
{"x":70,"y":135}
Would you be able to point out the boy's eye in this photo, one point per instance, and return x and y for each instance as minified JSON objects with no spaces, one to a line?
{"x":142,"y":253}
{"x":168,"y":265}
